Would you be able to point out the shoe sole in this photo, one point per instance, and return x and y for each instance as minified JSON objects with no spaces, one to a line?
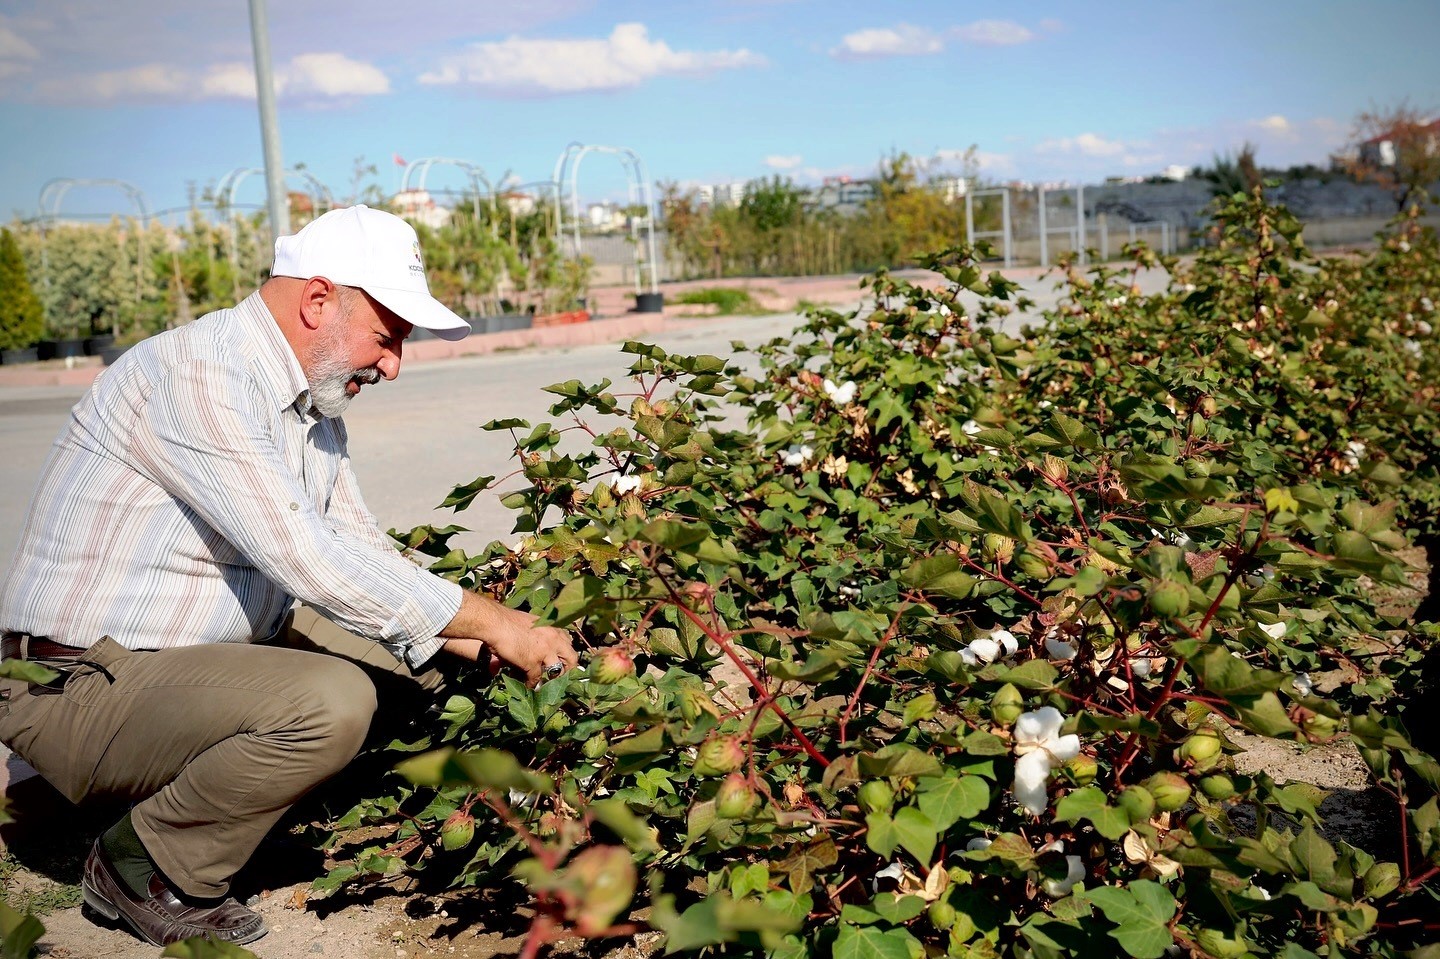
{"x":110,"y":911}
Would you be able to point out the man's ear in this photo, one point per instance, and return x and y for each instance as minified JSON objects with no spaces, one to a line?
{"x":314,"y":297}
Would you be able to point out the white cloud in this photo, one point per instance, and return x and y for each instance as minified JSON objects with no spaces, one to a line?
{"x":307,"y":77}
{"x":625,"y":59}
{"x":1275,"y":123}
{"x":16,"y":53}
{"x":331,"y":75}
{"x":902,"y":40}
{"x":790,"y":162}
{"x":1086,"y":144}
{"x":994,"y":33}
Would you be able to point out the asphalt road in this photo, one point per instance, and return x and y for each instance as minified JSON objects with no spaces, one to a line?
{"x":412,"y":440}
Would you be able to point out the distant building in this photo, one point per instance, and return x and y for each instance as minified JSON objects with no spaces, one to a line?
{"x":721,"y":194}
{"x":1175,"y":172}
{"x":1380,"y":151}
{"x":842,"y":194}
{"x":519,"y":204}
{"x":418,"y":206}
{"x":952,"y":188}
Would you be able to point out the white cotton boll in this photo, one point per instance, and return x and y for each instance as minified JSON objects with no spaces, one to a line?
{"x":970,"y":427}
{"x":1074,"y":872}
{"x":1118,"y":300}
{"x":1062,"y":749}
{"x":1273,"y":630}
{"x":1188,"y":288}
{"x":1413,"y":347}
{"x":1427,"y":305}
{"x":1404,"y":246}
{"x":977,"y":844}
{"x":1140,"y":668}
{"x":1037,"y":727}
{"x":1007,"y":641}
{"x":797,"y":455}
{"x":968,"y":657}
{"x":1424,"y":328}
{"x":1059,"y":649}
{"x":1046,"y":404}
{"x":848,"y":591}
{"x":627,"y":484}
{"x":840,"y":394}
{"x":984,"y":649}
{"x":521,"y":800}
{"x":893,"y":871}
{"x":1303,"y":685}
{"x":1032,"y":770}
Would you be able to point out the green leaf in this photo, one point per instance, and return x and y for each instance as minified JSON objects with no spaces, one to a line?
{"x":462,"y":496}
{"x":26,"y":671}
{"x":20,"y":933}
{"x":1227,"y":675}
{"x":1141,"y":913}
{"x":633,"y":831}
{"x":521,"y":704}
{"x":804,"y":861}
{"x":868,"y":942}
{"x":1032,"y":674}
{"x":947,"y":800}
{"x":897,"y":759}
{"x":201,"y":947}
{"x":939,"y":574}
{"x":487,"y":768}
{"x":577,"y":597}
{"x":921,"y":707}
{"x":897,"y":909}
{"x":916,"y":833}
{"x":717,"y":919}
{"x":1089,"y":803}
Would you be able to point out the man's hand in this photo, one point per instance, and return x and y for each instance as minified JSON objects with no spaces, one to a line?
{"x":509,"y":634}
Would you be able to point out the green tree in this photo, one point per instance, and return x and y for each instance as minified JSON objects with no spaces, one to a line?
{"x":1398,"y":148}
{"x":22,"y":319}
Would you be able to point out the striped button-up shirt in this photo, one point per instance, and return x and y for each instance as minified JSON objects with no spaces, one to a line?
{"x":193,"y":497}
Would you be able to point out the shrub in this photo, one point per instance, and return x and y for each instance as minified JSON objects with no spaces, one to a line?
{"x":727,"y":300}
{"x":952,"y":647}
{"x":22,"y":319}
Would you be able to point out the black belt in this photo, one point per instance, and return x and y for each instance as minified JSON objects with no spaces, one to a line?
{"x":25,"y":646}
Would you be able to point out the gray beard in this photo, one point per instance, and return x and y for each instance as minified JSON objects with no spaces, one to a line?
{"x":332,"y":374}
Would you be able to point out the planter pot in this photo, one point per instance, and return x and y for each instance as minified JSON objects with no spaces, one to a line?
{"x":94,"y":345}
{"x":60,"y":349}
{"x":561,"y":319}
{"x":14,"y":357}
{"x":112,"y":353}
{"x":649,"y":302}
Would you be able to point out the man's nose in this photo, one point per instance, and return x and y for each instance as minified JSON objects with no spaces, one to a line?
{"x":389,"y":365}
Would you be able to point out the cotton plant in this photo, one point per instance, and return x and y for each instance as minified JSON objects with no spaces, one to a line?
{"x":1057,"y":648}
{"x":1039,"y":747}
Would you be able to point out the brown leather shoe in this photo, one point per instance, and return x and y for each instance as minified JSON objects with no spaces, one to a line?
{"x":162,"y":917}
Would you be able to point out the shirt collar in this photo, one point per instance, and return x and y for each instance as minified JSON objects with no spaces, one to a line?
{"x":274,"y":361}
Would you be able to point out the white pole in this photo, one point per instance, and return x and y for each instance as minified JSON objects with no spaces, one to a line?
{"x":1044,"y":232}
{"x":269,"y":128}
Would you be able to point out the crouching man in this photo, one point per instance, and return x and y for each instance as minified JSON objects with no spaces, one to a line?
{"x":201,"y":487}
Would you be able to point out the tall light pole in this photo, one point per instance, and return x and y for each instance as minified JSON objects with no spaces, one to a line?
{"x":269,"y":130}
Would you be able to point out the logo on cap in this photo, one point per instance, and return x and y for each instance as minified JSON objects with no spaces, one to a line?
{"x":419,"y":265}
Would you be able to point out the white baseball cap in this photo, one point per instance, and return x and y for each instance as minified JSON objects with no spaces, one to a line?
{"x":375,"y":251}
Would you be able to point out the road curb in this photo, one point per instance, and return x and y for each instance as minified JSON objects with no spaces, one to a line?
{"x":609,"y":330}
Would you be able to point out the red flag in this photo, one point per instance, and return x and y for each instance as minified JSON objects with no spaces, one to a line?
{"x":400,"y":161}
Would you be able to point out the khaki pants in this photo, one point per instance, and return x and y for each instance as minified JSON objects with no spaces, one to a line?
{"x":215,"y":741}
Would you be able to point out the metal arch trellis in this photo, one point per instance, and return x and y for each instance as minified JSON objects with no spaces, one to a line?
{"x":52,"y":194}
{"x":229,"y":186}
{"x":639,"y":193}
{"x":474,"y":171}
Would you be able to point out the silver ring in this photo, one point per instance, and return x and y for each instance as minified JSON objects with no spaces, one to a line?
{"x":553,"y":670}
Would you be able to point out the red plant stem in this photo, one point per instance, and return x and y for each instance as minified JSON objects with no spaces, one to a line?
{"x":1417,"y":881}
{"x":865,"y":676}
{"x":541,"y":931}
{"x":1001,"y":578}
{"x":1404,"y":828}
{"x":729,"y":650}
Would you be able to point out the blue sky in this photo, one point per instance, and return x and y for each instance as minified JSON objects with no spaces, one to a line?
{"x":160,"y":93}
